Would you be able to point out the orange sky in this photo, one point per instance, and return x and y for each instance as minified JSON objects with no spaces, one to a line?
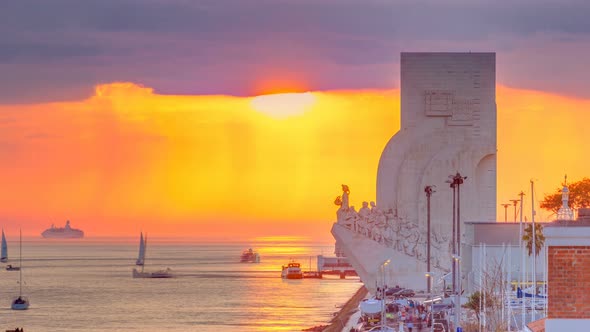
{"x":128,"y":159}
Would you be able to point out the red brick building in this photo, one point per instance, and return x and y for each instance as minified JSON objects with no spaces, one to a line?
{"x":568,"y":283}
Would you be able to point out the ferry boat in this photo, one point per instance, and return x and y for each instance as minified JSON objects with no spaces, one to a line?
{"x":66,"y":232}
{"x":292,"y":271}
{"x":250,"y":256}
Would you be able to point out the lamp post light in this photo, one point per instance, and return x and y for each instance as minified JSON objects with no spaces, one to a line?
{"x":428,"y":190}
{"x":451,"y":183}
{"x":505,"y":211}
{"x":457,"y":260}
{"x":455,"y":182}
{"x":515,"y":202}
{"x":383,"y":316}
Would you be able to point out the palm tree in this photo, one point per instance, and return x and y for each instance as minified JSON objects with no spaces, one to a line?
{"x":539,"y":238}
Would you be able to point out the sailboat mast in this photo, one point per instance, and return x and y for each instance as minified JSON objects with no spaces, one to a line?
{"x":523,"y":265}
{"x":534,"y":251}
{"x":20,"y":274}
{"x":144,"y":250}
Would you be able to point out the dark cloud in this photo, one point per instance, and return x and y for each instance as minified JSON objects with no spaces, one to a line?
{"x":20,"y":53}
{"x":61,"y":47}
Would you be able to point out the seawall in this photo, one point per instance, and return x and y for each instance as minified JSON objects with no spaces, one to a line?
{"x":339,"y":321}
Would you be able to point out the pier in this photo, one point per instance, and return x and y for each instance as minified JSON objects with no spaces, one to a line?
{"x":334,"y":266}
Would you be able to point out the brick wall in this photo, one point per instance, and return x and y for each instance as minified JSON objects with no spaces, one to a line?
{"x":569,"y":282}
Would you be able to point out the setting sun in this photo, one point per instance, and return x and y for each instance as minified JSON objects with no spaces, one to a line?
{"x":283,"y":105}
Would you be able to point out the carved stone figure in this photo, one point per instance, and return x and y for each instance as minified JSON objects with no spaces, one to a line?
{"x":364,"y":212}
{"x":343,"y":211}
{"x":377,"y":216}
{"x":345,"y":193}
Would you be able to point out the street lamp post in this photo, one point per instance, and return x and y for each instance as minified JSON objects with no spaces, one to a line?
{"x":515,"y":202}
{"x":428,"y":190}
{"x":452,"y":185}
{"x":456,"y":181}
{"x":505,"y":211}
{"x":383,"y":316}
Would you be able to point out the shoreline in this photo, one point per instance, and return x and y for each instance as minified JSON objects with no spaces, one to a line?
{"x":348,"y":309}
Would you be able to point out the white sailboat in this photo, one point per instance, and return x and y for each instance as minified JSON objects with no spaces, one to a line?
{"x":141,"y":256}
{"x":21,"y":302}
{"x":4,"y":254}
{"x":167,"y":273}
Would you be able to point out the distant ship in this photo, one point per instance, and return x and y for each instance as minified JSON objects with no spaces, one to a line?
{"x":250,"y":256}
{"x":63,"y":232}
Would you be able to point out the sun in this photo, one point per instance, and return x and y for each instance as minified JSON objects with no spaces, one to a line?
{"x":283,"y":105}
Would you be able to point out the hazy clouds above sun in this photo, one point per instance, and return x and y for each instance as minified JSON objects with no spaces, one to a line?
{"x":59,"y":50}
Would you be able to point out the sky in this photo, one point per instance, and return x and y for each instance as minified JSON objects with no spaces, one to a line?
{"x":146,"y":115}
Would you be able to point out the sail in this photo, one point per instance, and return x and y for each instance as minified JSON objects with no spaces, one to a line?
{"x":141,"y":256}
{"x":4,"y":255}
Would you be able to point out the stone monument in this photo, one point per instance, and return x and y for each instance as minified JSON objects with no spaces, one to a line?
{"x":448,"y":125}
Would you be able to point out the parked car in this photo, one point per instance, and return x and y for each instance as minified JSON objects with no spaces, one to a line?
{"x":405,"y":293}
{"x":392,"y":290}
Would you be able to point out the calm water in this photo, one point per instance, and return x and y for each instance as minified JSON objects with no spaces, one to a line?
{"x":86,"y":285}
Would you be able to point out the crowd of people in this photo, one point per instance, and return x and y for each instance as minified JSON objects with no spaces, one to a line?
{"x":403,"y":311}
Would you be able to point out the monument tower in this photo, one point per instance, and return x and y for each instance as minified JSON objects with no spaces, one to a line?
{"x":448,"y":125}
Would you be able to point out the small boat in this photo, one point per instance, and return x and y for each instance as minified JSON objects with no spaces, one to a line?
{"x":4,"y":253}
{"x":167,"y":273}
{"x":292,"y":271}
{"x":9,"y":267}
{"x":66,"y":232}
{"x":250,"y":256}
{"x":21,"y":302}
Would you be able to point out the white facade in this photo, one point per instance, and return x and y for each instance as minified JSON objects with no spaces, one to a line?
{"x":448,"y":125}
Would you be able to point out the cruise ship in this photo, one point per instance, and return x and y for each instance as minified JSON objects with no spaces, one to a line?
{"x":66,"y":232}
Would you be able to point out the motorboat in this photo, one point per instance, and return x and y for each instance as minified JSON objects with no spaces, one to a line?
{"x":292,"y":271}
{"x":250,"y":256}
{"x":166,"y":273}
{"x":9,"y":267}
{"x":66,"y":232}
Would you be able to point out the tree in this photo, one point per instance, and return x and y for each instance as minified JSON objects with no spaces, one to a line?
{"x":539,"y":239}
{"x":475,"y":301}
{"x":579,"y":196}
{"x":487,"y":302}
